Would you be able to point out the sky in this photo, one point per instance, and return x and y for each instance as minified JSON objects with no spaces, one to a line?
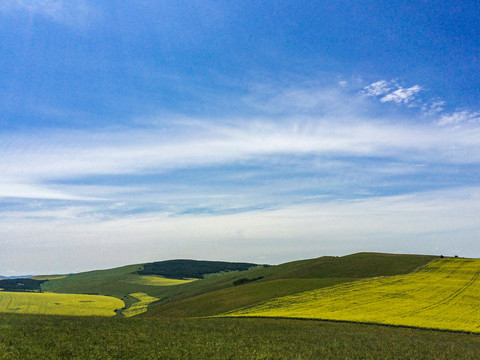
{"x":259,"y":131}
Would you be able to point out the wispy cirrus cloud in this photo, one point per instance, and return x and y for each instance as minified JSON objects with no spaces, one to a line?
{"x":43,"y":166}
{"x":434,"y":108}
{"x":459,"y":117}
{"x":65,"y":154}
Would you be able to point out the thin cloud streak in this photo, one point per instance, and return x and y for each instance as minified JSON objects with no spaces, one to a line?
{"x":121,"y":153}
{"x":32,"y":165}
{"x":460,"y":117}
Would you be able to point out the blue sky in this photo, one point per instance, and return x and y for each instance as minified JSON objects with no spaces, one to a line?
{"x":134,"y":131}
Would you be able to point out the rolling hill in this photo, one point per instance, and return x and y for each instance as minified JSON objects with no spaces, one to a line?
{"x":442,"y":295}
{"x":122,"y":281}
{"x":189,"y":288}
{"x":219,"y":294}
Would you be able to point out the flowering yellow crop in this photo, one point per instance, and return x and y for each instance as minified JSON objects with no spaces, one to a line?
{"x":141,"y":306}
{"x":444,"y":294}
{"x":59,"y":304}
{"x":154,"y":280}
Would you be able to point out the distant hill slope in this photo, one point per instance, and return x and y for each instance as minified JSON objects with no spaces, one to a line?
{"x":219,"y":294}
{"x":227,"y":290}
{"x":121,"y":281}
{"x":111,"y":282}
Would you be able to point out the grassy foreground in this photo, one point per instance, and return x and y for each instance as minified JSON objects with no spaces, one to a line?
{"x":47,"y":337}
{"x":58,"y":304}
{"x":442,"y":295}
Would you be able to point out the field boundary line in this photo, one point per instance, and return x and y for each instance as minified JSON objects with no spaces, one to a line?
{"x":346,"y":321}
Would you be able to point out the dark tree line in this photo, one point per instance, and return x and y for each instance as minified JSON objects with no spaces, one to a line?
{"x":191,"y":269}
{"x":21,"y":284}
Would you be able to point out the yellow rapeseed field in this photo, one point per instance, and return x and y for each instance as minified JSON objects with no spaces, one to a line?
{"x":59,"y":304}
{"x":154,"y":280}
{"x":444,"y":294}
{"x":141,"y":306}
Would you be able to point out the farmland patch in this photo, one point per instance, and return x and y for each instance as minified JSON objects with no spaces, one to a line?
{"x":59,"y":304}
{"x":442,"y":295}
{"x":154,"y":280}
{"x":139,"y":307}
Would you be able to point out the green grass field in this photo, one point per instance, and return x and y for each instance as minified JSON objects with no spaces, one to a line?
{"x":58,"y":304}
{"x":54,"y":337}
{"x":442,"y":295}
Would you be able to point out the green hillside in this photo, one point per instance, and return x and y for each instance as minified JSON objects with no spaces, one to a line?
{"x":218,"y":295}
{"x":224,"y":287}
{"x":122,"y":281}
{"x":220,"y":301}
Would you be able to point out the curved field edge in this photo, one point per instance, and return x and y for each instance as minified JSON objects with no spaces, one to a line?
{"x":217,"y":295}
{"x":140,"y":306}
{"x":59,"y":304}
{"x":220,"y":301}
{"x":442,"y":295}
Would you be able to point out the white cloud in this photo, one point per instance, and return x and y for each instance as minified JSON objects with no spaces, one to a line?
{"x":378,"y":88}
{"x":12,"y":189}
{"x":390,"y":91}
{"x":67,"y":155}
{"x":459,"y":117}
{"x":402,"y":95}
{"x":32,"y":165}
